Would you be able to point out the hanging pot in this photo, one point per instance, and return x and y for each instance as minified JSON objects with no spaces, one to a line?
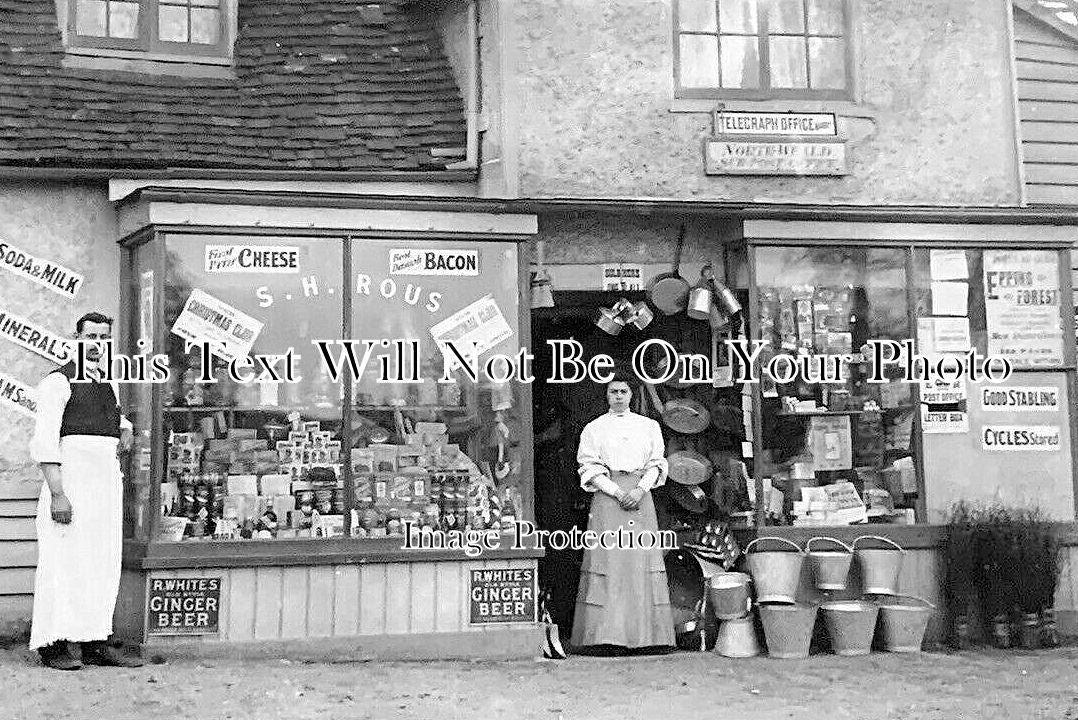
{"x":682,"y":415}
{"x":669,"y":292}
{"x":688,"y":467}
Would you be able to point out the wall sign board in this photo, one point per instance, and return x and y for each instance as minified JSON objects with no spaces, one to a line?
{"x":183,"y":606}
{"x":774,"y":123}
{"x":502,"y":596}
{"x":774,"y":155}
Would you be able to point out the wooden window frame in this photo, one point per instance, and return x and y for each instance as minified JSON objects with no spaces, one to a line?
{"x":146,"y":37}
{"x":765,"y":91}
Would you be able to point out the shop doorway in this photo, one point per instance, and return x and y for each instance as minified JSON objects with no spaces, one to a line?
{"x":562,"y":410}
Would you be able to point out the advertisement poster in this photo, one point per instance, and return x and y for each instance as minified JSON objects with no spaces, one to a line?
{"x":229,"y":332}
{"x":831,"y":445}
{"x":54,"y":276}
{"x":502,"y":596}
{"x":183,"y":606}
{"x":35,"y":338}
{"x":145,"y":310}
{"x":622,"y":276}
{"x":1020,"y":438}
{"x":481,"y":323}
{"x":1022,"y":306}
{"x":1024,"y":398}
{"x":419,"y":261}
{"x":252,"y":259}
{"x":17,"y":396}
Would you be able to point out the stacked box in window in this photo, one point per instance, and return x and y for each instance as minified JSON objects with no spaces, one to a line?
{"x":868,"y":440}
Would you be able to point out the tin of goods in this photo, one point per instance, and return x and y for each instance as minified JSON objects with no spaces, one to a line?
{"x":337,"y":501}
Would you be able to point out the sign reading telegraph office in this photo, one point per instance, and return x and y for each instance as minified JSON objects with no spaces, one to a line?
{"x":769,"y":143}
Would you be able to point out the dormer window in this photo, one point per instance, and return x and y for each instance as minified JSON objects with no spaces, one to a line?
{"x":172,"y":31}
{"x":195,"y":27}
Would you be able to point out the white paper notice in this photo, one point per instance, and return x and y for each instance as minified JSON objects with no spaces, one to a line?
{"x":940,"y":422}
{"x":481,"y":323}
{"x":951,"y":334}
{"x":948,"y":265}
{"x":1022,"y":398}
{"x":926,"y":337}
{"x":942,"y":393}
{"x":1020,"y":438}
{"x":1022,"y":306}
{"x":949,"y":298}
{"x":205,"y":319}
{"x":623,"y":276}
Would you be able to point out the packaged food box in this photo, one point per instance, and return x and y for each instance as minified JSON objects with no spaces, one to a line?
{"x":364,"y":485}
{"x":311,"y":426}
{"x":242,"y":485}
{"x":382,"y":482}
{"x":249,"y":445}
{"x":298,"y":438}
{"x":385,"y":458}
{"x":275,"y":484}
{"x":408,"y":457}
{"x":242,"y":433}
{"x":400,"y":488}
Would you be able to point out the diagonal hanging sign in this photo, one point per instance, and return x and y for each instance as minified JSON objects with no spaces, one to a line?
{"x":33,"y":337}
{"x":61,"y":280}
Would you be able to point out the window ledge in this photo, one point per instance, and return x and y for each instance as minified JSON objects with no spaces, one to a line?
{"x":845,"y":108}
{"x":149,"y":63}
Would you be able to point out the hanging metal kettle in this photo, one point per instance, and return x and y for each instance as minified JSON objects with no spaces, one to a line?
{"x":542,"y":288}
{"x":700,"y":297}
{"x":607,"y":321}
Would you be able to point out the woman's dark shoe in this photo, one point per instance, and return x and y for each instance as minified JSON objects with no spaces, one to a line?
{"x":59,"y":656}
{"x":99,"y":653}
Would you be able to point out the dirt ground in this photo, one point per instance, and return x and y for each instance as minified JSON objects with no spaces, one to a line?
{"x":944,"y":686}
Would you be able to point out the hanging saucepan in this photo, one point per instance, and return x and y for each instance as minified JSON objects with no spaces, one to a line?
{"x":642,"y":315}
{"x":688,"y":467}
{"x":669,"y":292}
{"x":724,"y":305}
{"x":681,"y":415}
{"x":657,"y":363}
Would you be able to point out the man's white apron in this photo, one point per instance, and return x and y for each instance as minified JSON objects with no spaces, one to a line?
{"x":78,"y":565}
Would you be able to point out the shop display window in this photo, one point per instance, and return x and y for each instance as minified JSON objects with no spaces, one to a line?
{"x":825,"y":438}
{"x":316,"y":456}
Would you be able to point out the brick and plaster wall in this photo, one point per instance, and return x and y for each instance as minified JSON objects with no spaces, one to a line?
{"x":73,"y":225}
{"x":932,"y":122}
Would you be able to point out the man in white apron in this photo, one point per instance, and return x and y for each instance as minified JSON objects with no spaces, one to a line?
{"x":78,"y":431}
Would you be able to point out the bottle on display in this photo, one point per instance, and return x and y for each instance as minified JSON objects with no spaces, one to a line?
{"x":192,"y":391}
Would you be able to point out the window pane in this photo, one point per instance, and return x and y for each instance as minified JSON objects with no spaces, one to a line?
{"x":740,"y":62}
{"x":206,"y":3}
{"x":828,"y":62}
{"x":123,"y":19}
{"x":697,"y":15}
{"x":830,"y":301}
{"x":784,"y":16}
{"x":90,"y":18}
{"x":737,"y":16}
{"x":788,"y":68}
{"x":825,"y":17}
{"x":204,"y":25}
{"x":172,"y":23}
{"x":699,"y":61}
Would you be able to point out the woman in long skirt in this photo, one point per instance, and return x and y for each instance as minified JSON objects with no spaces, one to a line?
{"x":623,"y":599}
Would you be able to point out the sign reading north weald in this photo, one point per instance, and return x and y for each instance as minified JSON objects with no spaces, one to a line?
{"x":502,"y":596}
{"x":751,"y":155}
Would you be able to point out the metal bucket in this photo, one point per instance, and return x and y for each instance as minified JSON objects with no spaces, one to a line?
{"x":880,"y":567}
{"x":830,"y":567}
{"x":737,"y":638}
{"x":851,"y":625}
{"x":730,"y":595}
{"x":776,"y":574}
{"x":903,"y":621}
{"x":788,"y":629}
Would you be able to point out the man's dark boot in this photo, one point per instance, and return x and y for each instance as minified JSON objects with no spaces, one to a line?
{"x":59,"y":656}
{"x":99,"y":653}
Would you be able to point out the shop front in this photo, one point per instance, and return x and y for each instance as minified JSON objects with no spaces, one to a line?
{"x":824,"y":445}
{"x":303,"y":431}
